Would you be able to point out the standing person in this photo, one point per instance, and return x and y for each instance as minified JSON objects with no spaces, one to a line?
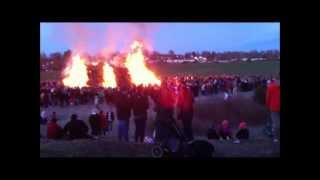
{"x":234,"y":88}
{"x":103,"y":123}
{"x":42,"y":98}
{"x":76,"y":129}
{"x":203,"y":89}
{"x":46,"y":99}
{"x":164,"y":106}
{"x":96,"y":101}
{"x":140,"y":107}
{"x":94,"y":123}
{"x":273,"y":104}
{"x":123,"y":106}
{"x":185,"y":106}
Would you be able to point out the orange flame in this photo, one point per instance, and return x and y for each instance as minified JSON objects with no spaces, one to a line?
{"x":76,"y":73}
{"x":109,"y":78}
{"x":135,"y":63}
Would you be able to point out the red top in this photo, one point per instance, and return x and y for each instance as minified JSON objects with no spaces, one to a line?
{"x":53,"y":130}
{"x":273,"y":97}
{"x":102,"y":121}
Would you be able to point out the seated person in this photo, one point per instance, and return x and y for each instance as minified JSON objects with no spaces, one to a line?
{"x":212,"y":133}
{"x":243,"y":132}
{"x":224,"y":130}
{"x":54,"y":131}
{"x":76,"y":129}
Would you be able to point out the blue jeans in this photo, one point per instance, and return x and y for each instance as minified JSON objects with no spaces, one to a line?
{"x":123,"y":130}
{"x":275,"y":124}
{"x":268,"y":127}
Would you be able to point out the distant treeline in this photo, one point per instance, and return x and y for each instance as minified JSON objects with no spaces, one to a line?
{"x":57,"y":60}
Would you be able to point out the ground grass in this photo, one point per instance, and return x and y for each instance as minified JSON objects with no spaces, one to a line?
{"x":242,"y":68}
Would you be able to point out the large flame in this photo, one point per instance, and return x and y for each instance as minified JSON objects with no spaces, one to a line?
{"x":76,"y":73}
{"x":109,"y":78}
{"x":139,"y":73}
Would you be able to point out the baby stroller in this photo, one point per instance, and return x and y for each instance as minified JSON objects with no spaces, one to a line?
{"x":176,"y":145}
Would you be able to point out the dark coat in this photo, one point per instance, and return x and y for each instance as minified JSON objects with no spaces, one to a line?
{"x":123,"y":105}
{"x":140,"y":105}
{"x":94,"y":123}
{"x":243,"y":134}
{"x":77,"y":129}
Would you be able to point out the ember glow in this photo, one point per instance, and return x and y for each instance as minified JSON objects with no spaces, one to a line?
{"x":75,"y":74}
{"x":135,"y":63}
{"x":109,"y":78}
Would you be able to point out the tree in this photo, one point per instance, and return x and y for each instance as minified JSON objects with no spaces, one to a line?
{"x":187,"y":55}
{"x":171,"y":54}
{"x":43,"y":56}
{"x":205,"y":54}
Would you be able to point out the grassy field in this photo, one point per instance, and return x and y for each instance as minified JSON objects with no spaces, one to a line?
{"x":243,"y":68}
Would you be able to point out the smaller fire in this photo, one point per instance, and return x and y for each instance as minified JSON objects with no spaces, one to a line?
{"x":109,"y":78}
{"x":75,"y":74}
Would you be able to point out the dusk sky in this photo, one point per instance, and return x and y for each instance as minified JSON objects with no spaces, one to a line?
{"x":161,"y":37}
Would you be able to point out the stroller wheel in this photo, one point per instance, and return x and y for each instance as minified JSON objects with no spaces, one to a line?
{"x":157,"y":152}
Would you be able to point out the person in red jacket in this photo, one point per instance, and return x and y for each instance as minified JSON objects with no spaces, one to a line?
{"x":185,"y":106}
{"x":103,"y":123}
{"x":54,"y":131}
{"x":273,"y":105}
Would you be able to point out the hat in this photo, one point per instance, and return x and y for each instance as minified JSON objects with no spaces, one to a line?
{"x":242,"y":125}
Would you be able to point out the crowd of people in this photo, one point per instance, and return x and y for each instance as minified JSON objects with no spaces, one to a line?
{"x":175,"y":93}
{"x":53,"y":93}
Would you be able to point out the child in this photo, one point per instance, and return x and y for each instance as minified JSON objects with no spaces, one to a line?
{"x":243,"y":132}
{"x":224,"y":130}
{"x":54,"y":131}
{"x":212,"y":133}
{"x":103,"y":123}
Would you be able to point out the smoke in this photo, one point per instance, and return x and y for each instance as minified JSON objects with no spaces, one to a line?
{"x":108,"y":37}
{"x":119,"y":36}
{"x":80,"y":36}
